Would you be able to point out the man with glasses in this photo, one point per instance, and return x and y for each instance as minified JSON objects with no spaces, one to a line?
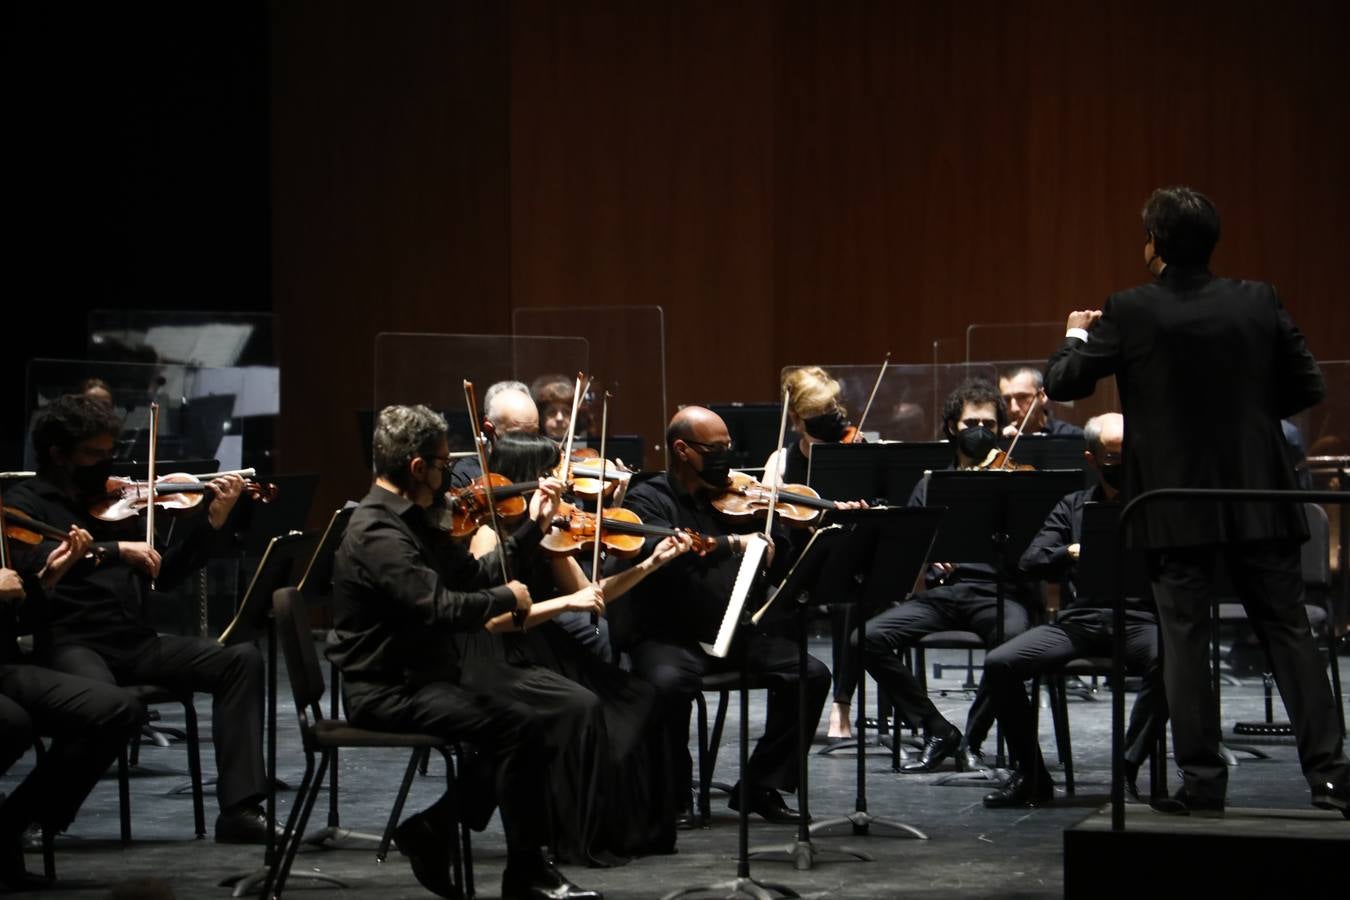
{"x":1083,"y":628}
{"x":958,"y":596}
{"x":1021,"y":386}
{"x":683,"y":603}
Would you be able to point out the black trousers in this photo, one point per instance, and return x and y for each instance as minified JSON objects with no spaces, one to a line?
{"x":89,"y":723}
{"x":506,"y":713}
{"x":676,"y":670}
{"x":954,"y":607}
{"x":1077,"y":632}
{"x":1269,"y":581}
{"x":843,"y":624}
{"x":233,"y":676}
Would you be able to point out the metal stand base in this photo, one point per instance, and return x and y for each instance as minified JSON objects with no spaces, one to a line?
{"x":249,"y":885}
{"x":862,"y":823}
{"x":980,"y":778}
{"x":804,"y":855}
{"x":336,"y":838}
{"x":737,"y":887}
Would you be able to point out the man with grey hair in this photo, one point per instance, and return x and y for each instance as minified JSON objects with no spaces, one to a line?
{"x":1083,"y":628}
{"x":1020,"y":386}
{"x":400,"y":592}
{"x":508,"y":408}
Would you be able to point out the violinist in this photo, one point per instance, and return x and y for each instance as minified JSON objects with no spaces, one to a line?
{"x":401,"y":590}
{"x":95,"y":627}
{"x":683,"y":604}
{"x":508,"y":408}
{"x":604,"y":804}
{"x":818,"y":417}
{"x":1082,"y":628}
{"x":88,"y":722}
{"x":958,"y":596}
{"x":553,"y":398}
{"x":1021,"y":386}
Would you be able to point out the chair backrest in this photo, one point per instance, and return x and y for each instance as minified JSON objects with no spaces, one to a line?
{"x":1317,"y":549}
{"x":297,"y":646}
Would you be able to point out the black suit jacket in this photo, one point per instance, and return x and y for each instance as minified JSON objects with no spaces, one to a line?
{"x":1206,"y":367}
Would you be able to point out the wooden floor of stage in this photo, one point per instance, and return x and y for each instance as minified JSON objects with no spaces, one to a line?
{"x":971,"y":851}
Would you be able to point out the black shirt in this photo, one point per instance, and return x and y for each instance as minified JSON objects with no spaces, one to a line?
{"x":686,"y":599}
{"x":98,"y":602}
{"x":1057,"y":427}
{"x":400,"y":587}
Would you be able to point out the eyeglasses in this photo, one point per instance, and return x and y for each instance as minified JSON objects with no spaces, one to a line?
{"x":443,"y":460}
{"x":710,"y":448}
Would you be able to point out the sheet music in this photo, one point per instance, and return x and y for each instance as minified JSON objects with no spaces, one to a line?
{"x":756,"y":546}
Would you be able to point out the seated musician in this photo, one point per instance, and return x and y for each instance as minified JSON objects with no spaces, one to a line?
{"x":400,"y":590}
{"x":89,"y":722}
{"x":959,"y":596}
{"x":508,"y":408}
{"x":95,"y":625}
{"x":604,"y":804}
{"x":683,"y":604}
{"x":553,"y":396}
{"x":1083,"y":628}
{"x":1020,"y":386}
{"x":817,"y":416}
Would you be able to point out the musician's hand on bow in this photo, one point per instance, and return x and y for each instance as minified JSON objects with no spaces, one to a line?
{"x":544,"y":503}
{"x":1010,"y":430}
{"x":521,"y":591}
{"x":1083,"y":318}
{"x":590,"y":599}
{"x":140,"y":555}
{"x":943,"y":570}
{"x":67,"y":553}
{"x":227,"y":489}
{"x":1074,"y":551}
{"x":11,"y":585}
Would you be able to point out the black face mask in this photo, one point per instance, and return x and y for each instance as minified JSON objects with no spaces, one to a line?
{"x":828,"y":426}
{"x":716,"y":468}
{"x":1112,"y":474}
{"x":975,"y":443}
{"x":91,"y":481}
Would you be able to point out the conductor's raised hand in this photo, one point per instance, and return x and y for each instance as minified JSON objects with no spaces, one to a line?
{"x":1083,"y":318}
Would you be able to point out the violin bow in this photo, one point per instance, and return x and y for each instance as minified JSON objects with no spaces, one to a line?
{"x":773,"y":491}
{"x":5,"y":562}
{"x":599,"y":503}
{"x":1007,"y":457}
{"x":150,"y":487}
{"x":572,"y":427}
{"x":870,"y":397}
{"x":517,"y":614}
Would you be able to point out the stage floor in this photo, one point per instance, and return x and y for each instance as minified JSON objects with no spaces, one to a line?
{"x":971,"y":851}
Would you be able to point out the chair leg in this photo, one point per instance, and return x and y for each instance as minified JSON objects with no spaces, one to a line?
{"x":1062,"y":728}
{"x":715,"y":742}
{"x":335,"y":688}
{"x":413,"y":763}
{"x":452,"y":791}
{"x":468,"y":862}
{"x":48,"y":854}
{"x":124,"y":795}
{"x":1336,"y":677}
{"x":704,"y":770}
{"x":194,"y":750}
{"x":297,"y":835}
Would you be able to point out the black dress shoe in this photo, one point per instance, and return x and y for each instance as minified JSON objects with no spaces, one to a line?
{"x":244,"y":826}
{"x":1021,"y":792}
{"x":1184,"y":804}
{"x":542,"y":883}
{"x":970,"y":759}
{"x":428,"y":851}
{"x":767,"y":804}
{"x":936,"y":748}
{"x":687,"y":820}
{"x":1332,"y":796}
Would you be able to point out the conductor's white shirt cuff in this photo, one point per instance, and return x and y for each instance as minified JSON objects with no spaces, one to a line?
{"x":1080,"y":333}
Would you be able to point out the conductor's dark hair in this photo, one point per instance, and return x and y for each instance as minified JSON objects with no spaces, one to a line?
{"x":973,"y":390}
{"x":402,"y":433}
{"x":523,"y":457}
{"x":67,"y":421}
{"x":1184,"y":225}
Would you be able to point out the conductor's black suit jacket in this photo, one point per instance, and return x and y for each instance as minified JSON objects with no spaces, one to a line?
{"x":1206,"y":368}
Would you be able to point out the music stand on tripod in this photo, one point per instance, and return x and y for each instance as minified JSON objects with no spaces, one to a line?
{"x":991,"y":517}
{"x":282,"y":564}
{"x":884,"y":553}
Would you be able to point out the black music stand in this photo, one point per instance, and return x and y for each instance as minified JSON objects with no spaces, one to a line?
{"x":991,"y":517}
{"x":806,"y":575}
{"x":1052,"y":451}
{"x":282,"y":565}
{"x":742,"y":884}
{"x":884,"y":554}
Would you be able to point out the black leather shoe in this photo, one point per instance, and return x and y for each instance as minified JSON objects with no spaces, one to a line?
{"x":936,"y":748}
{"x":767,"y":804}
{"x":243,"y":826}
{"x":687,"y":820}
{"x":542,"y":883}
{"x":1332,"y":796}
{"x":1020,"y":792}
{"x":970,"y":759}
{"x":428,"y":851}
{"x":1183,"y":804}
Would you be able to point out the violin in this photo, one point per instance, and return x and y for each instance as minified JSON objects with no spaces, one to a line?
{"x":622,"y":533}
{"x":744,"y":497}
{"x":582,"y":471}
{"x":466,"y":508}
{"x":21,"y":527}
{"x":1002,"y":460}
{"x":125,"y":498}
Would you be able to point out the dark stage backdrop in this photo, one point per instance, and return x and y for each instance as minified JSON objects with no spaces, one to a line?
{"x":792,"y":181}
